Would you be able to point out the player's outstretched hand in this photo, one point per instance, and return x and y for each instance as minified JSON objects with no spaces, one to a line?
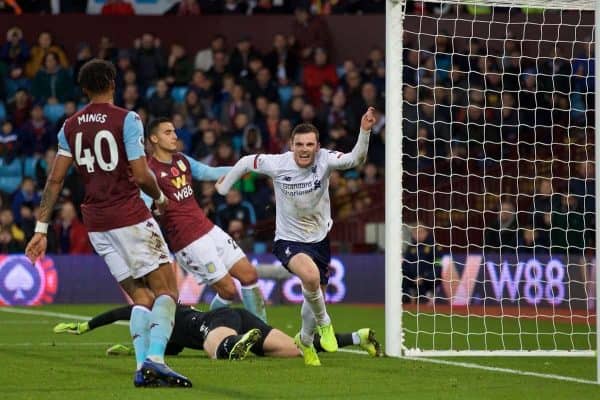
{"x":36,"y":247}
{"x":368,"y":120}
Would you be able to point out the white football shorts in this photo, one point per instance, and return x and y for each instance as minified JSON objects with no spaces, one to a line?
{"x":132,"y":251}
{"x":210,"y":258}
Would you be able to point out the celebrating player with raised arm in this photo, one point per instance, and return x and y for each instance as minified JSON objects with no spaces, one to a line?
{"x":200,"y":247}
{"x":107,"y":144}
{"x":303,"y":218}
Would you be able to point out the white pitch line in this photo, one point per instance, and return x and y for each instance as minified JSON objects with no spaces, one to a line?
{"x":504,"y":370}
{"x":51,"y":314}
{"x":52,"y":344}
{"x":428,"y":360}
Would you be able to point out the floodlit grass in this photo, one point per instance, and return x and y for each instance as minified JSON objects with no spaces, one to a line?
{"x":37,"y":364}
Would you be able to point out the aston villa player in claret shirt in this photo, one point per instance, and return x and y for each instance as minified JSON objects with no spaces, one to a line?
{"x":201,"y":248}
{"x":106,"y":145}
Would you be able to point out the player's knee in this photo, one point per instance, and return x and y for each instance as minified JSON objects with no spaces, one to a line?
{"x":311,"y":279}
{"x":248,"y":276}
{"x":226,"y":289}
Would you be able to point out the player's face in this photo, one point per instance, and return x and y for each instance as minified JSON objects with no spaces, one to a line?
{"x":305,"y":146}
{"x":166,"y":137}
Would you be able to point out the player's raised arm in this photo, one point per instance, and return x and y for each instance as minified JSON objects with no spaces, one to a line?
{"x":358,"y":155}
{"x":133,"y":133}
{"x":203,"y":172}
{"x":261,"y":163}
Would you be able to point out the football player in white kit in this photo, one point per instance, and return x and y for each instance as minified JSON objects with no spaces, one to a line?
{"x":303,"y":218}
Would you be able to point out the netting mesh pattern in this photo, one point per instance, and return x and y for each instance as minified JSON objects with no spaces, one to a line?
{"x":498,"y":180}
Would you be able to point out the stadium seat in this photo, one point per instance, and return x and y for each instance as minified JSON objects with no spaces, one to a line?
{"x":2,"y":111}
{"x":29,"y":166}
{"x":54,"y":111}
{"x":285,"y":94}
{"x":150,"y":91}
{"x":178,"y":93}
{"x":11,"y":175}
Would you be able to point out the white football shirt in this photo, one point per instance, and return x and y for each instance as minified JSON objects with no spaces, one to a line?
{"x":303,"y":211}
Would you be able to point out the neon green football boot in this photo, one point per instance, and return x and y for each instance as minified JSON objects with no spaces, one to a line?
{"x":309,"y":352}
{"x":75,"y":328}
{"x":369,"y":343}
{"x":328,"y":340}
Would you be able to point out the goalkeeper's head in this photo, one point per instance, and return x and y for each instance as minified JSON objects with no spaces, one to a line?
{"x":162,"y":136}
{"x":304,"y":142}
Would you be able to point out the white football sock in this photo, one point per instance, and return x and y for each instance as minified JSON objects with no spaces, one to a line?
{"x":316,"y":302}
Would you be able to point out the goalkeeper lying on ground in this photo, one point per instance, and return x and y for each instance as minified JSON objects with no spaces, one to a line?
{"x":229,"y":333}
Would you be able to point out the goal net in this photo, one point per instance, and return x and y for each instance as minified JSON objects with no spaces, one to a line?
{"x":498,"y":190}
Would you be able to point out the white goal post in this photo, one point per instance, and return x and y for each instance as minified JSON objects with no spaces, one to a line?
{"x":489,"y":169}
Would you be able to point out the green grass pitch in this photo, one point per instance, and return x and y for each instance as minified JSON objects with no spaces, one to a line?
{"x":37,"y":364}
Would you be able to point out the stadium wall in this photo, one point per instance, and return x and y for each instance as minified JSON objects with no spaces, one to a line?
{"x":526,"y":281}
{"x":195,"y":33}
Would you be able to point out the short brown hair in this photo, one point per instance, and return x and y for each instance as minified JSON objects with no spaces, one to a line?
{"x":304,"y":128}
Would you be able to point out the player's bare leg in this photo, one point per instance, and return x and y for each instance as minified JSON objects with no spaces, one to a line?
{"x":252,"y":296}
{"x":162,"y":317}
{"x":226,"y":291}
{"x":278,"y":344}
{"x":305,"y":268}
{"x":226,"y":343}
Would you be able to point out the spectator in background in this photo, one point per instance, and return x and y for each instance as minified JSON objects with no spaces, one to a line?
{"x":36,"y":6}
{"x":15,"y":81}
{"x":224,"y":155}
{"x":15,"y":51}
{"x":318,"y":73}
{"x":263,"y":86}
{"x":252,"y":141}
{"x":117,"y":7}
{"x":42,"y":166}
{"x":39,"y":51}
{"x":27,"y":221}
{"x":204,"y":58}
{"x":568,"y":234}
{"x":52,"y":83}
{"x":192,"y":110}
{"x":70,"y":231}
{"x":107,"y":49}
{"x":240,"y":57}
{"x":237,"y":104}
{"x":282,"y":63}
{"x":235,"y":208}
{"x":160,"y":103}
{"x":502,"y":234}
{"x":179,"y":66}
{"x":419,"y":266}
{"x":149,"y":59}
{"x":36,"y":136}
{"x":309,"y":32}
{"x":84,"y":54}
{"x":271,"y":124}
{"x":19,"y":108}
{"x":188,"y":8}
{"x":70,"y":109}
{"x":26,"y":195}
{"x":183,"y":133}
{"x":234,"y":7}
{"x":10,"y":7}
{"x":218,"y":70}
{"x":238,"y":232}
{"x":205,"y":148}
{"x":131,"y":98}
{"x":9,"y":146}
{"x":11,"y":236}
